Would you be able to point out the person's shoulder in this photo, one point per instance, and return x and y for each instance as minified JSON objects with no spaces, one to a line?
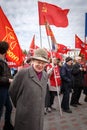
{"x":22,"y":71}
{"x":64,"y":65}
{"x":3,"y":63}
{"x":76,"y":65}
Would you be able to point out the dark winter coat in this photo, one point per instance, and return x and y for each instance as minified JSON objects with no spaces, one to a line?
{"x":78,"y":75}
{"x":66,"y":77}
{"x":5,"y":74}
{"x":28,"y":96}
{"x":85,"y":82}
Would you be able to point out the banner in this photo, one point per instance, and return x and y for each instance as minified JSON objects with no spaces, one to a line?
{"x":14,"y":53}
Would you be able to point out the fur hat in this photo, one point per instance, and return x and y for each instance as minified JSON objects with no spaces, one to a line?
{"x":40,"y":54}
{"x":68,"y":59}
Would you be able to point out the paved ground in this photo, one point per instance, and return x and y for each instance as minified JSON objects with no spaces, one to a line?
{"x":77,"y":120}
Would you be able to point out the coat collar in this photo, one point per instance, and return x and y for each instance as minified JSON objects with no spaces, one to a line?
{"x":34,"y":77}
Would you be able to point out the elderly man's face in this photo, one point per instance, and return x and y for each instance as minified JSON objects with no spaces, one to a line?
{"x":38,"y":65}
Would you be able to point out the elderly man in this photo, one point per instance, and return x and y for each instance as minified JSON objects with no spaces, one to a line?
{"x":28,"y":93}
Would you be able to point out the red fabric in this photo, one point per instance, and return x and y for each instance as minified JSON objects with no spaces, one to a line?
{"x":78,"y":42}
{"x":39,"y":75}
{"x":48,"y":53}
{"x":62,"y":48}
{"x":14,"y":54}
{"x":12,"y":64}
{"x":55,"y":78}
{"x":84,"y":51}
{"x":32,"y":45}
{"x":83,"y":46}
{"x":54,"y":15}
{"x":57,"y":55}
{"x":49,"y":30}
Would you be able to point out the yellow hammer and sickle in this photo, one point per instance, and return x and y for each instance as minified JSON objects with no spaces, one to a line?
{"x":44,"y":8}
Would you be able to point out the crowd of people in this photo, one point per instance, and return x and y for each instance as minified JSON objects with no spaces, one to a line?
{"x":32,"y":89}
{"x":73,"y":77}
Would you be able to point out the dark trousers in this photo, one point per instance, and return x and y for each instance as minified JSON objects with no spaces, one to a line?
{"x":76,"y":95}
{"x":47,"y":97}
{"x":85,"y":90}
{"x":65,"y":100}
{"x":5,"y":101}
{"x":52,"y":96}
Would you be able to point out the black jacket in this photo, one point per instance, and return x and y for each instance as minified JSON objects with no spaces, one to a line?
{"x":5,"y":74}
{"x":78,"y":75}
{"x":66,"y":76}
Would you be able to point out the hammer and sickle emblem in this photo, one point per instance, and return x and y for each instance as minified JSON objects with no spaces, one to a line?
{"x":44,"y":8}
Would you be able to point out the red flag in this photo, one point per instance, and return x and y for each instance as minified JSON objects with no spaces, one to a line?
{"x":83,"y":52}
{"x":14,"y":54}
{"x":83,"y":46}
{"x":32,"y":45}
{"x":48,"y":30}
{"x":62,"y":48}
{"x":78,"y":42}
{"x":54,"y":15}
{"x":57,"y":55}
{"x":52,"y":37}
{"x":12,"y":65}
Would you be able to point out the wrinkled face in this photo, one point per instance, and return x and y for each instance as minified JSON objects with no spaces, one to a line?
{"x":38,"y":65}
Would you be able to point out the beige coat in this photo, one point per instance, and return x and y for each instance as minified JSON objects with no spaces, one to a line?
{"x":28,"y":96}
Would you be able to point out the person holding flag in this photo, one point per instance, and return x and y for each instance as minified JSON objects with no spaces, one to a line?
{"x":54,"y":80}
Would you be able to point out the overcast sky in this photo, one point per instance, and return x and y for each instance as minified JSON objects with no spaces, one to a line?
{"x":23,"y":16}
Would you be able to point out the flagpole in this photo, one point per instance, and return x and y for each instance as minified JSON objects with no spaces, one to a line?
{"x":40,"y":36}
{"x":58,"y":94}
{"x":34,"y":42}
{"x":40,"y":25}
{"x":57,"y":88}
